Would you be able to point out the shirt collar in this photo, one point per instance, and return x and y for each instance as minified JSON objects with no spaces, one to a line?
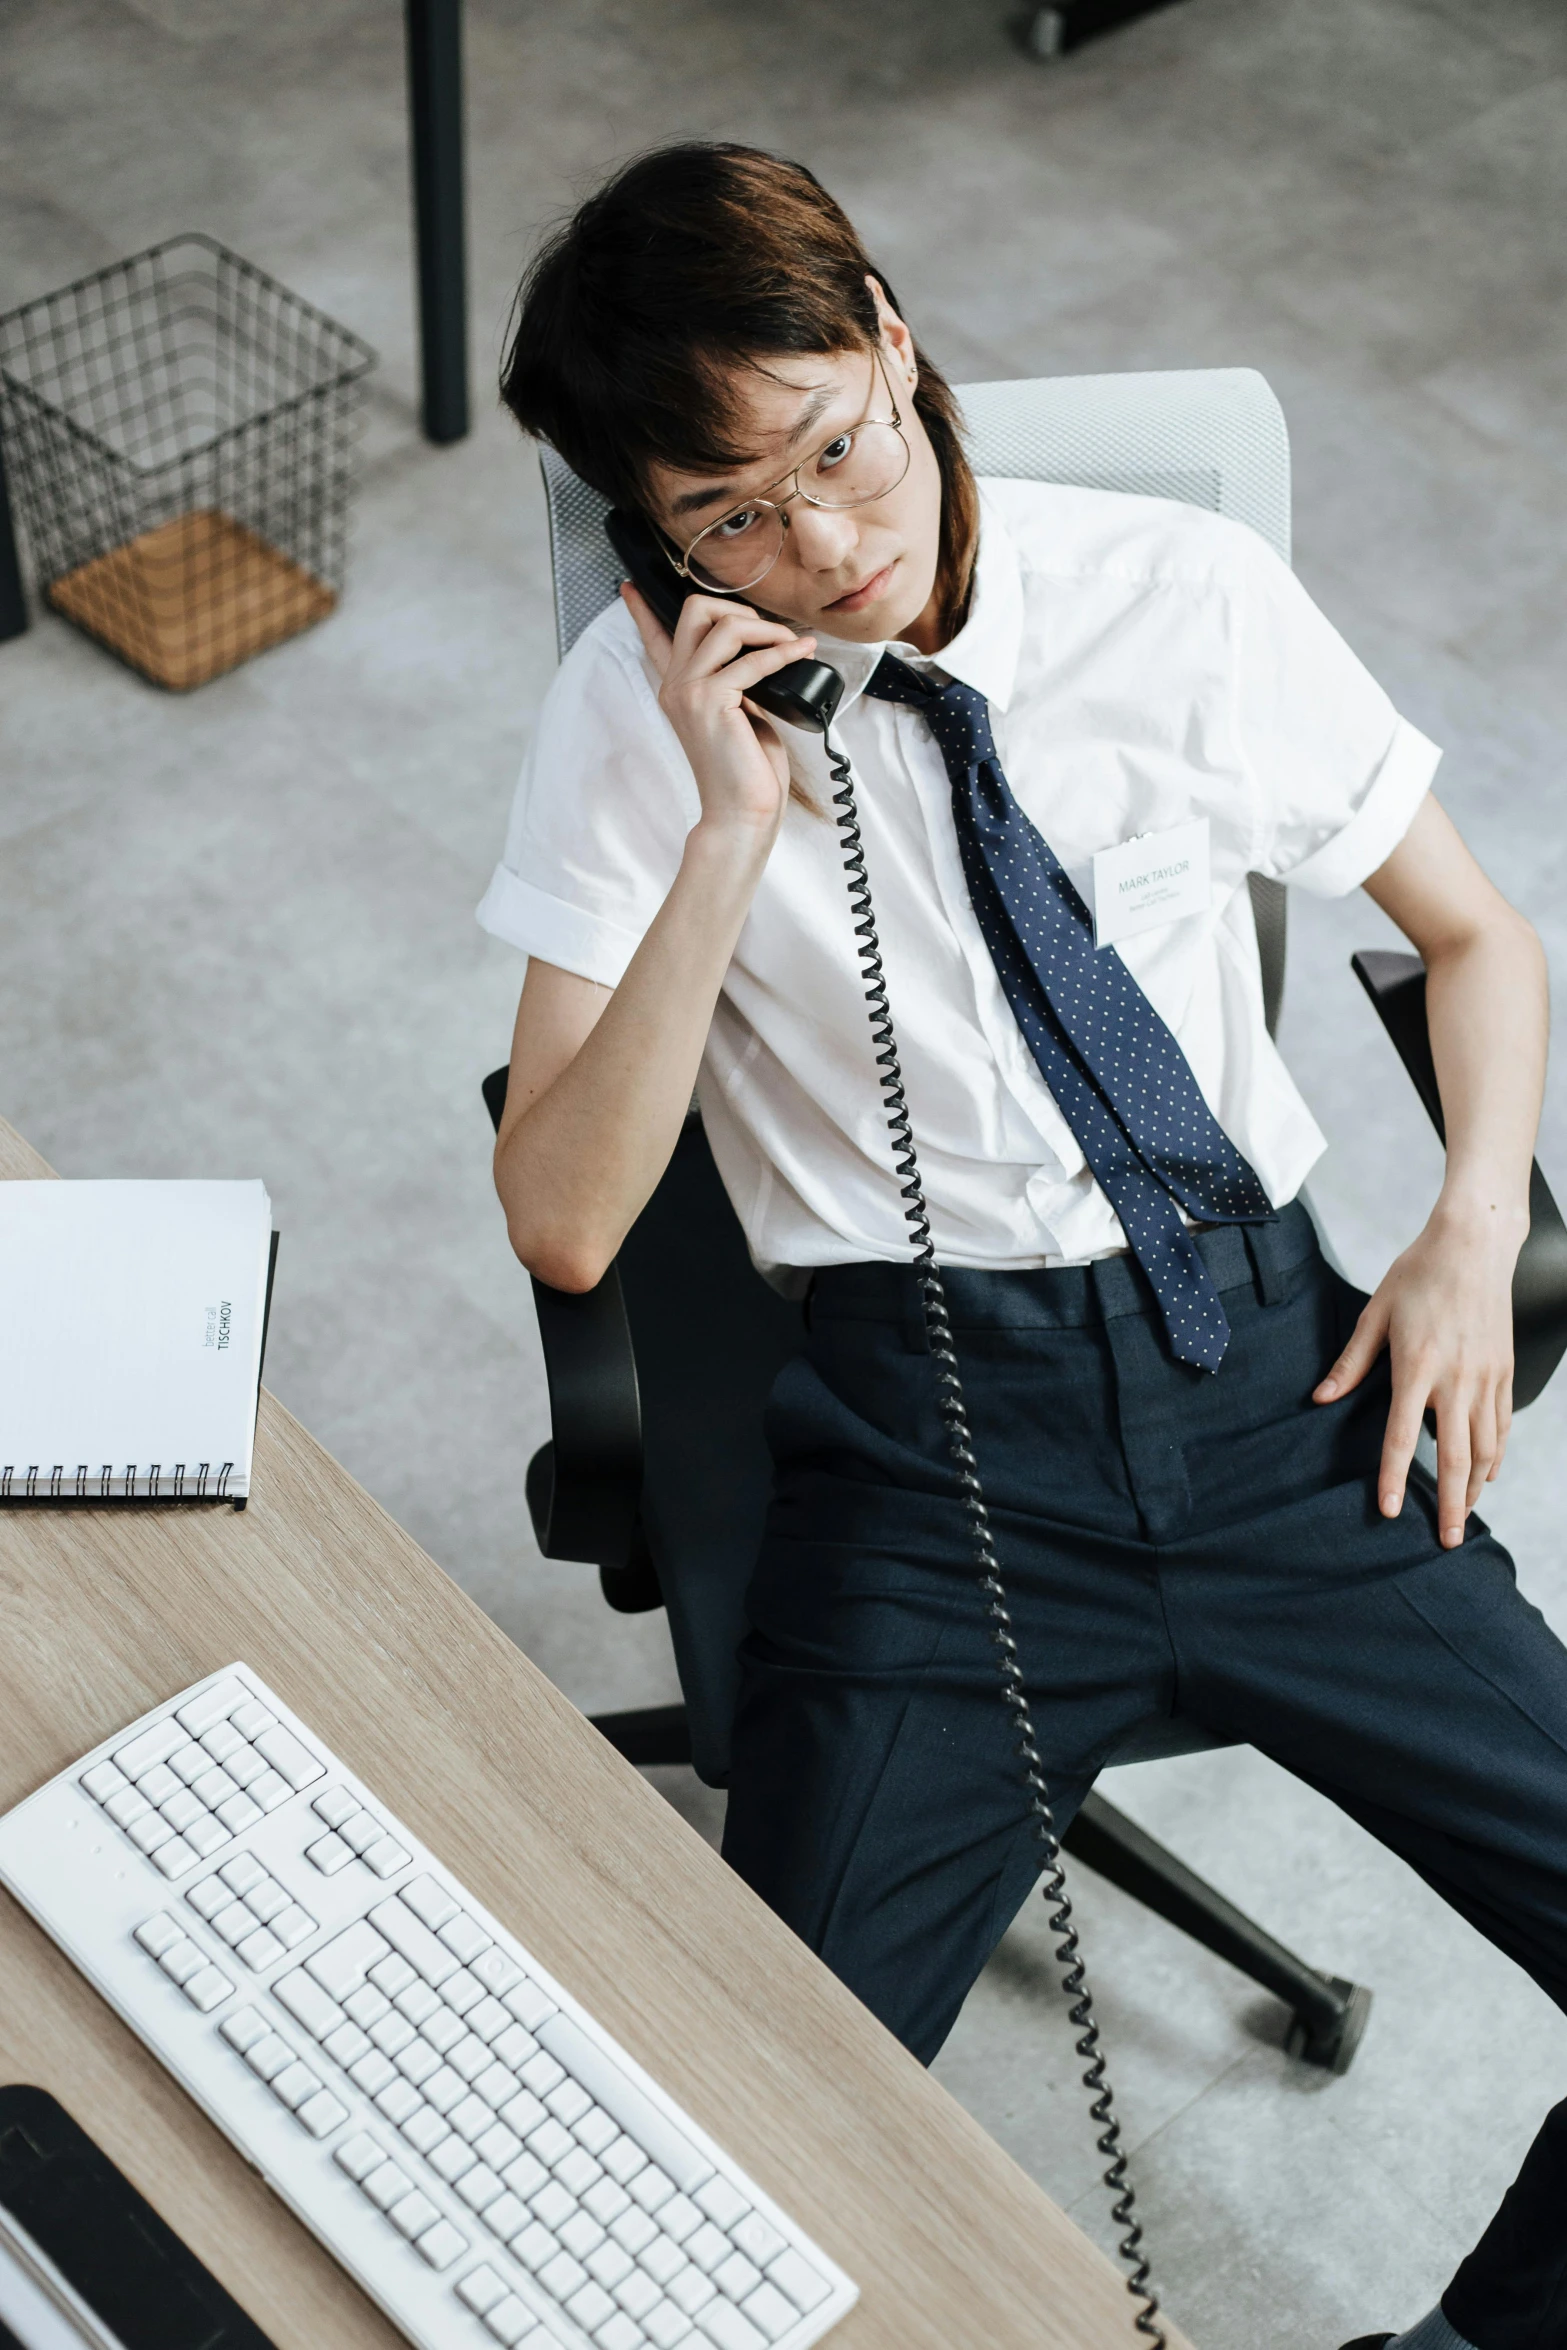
{"x":983,"y":654}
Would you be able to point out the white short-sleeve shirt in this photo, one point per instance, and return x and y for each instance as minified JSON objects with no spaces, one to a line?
{"x":1145,"y":663}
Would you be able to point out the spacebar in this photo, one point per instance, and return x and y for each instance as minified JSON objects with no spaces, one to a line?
{"x":602,"y":2077}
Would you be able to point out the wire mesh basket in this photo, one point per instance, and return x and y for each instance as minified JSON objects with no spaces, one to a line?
{"x":180,"y":433}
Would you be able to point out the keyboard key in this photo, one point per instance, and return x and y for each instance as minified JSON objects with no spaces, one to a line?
{"x":569,"y":2102}
{"x":770,"y":2313}
{"x":651,"y":2189}
{"x":445,"y":2089}
{"x":293,"y":1926}
{"x":244,"y":2028}
{"x":489,"y":2020}
{"x":269,"y":2056}
{"x":495,"y":2085}
{"x":294,"y":2084}
{"x":480,"y":2187}
{"x":147,"y":1833}
{"x":328,"y":1854}
{"x":357,"y":2155}
{"x":212,"y":1786}
{"x":505,"y":2215}
{"x":366,"y":2006}
{"x":452,"y":2158}
{"x":590,"y":2305}
{"x":209,"y":1897}
{"x":609,"y":2264}
{"x":665,"y":2326}
{"x":563,"y":2275}
{"x":554,"y":2205}
{"x":288,"y":1758}
{"x":722,"y":2203}
{"x":129,"y":1805}
{"x":680,"y":2218}
{"x":151,"y":1747}
{"x":525,"y":2176}
{"x":470,"y":2057}
{"x":524,"y":2000}
{"x":551,"y":2143}
{"x":242,"y":1873}
{"x":595,"y":2130}
{"x":510,"y":2321}
{"x":482,"y":2289}
{"x":795,"y":2276}
{"x":182,"y":1958}
{"x":465,"y":1939}
{"x":175,"y":1857}
{"x":245,"y":1768}
{"x":736,"y":2276}
{"x":441,"y":2245}
{"x":251,"y":1718}
{"x":496,"y":1971}
{"x":417,"y":2062}
{"x":443,"y":2030}
{"x":188,"y":1762}
{"x":523,"y":2113}
{"x":266,"y":1901}
{"x":541,"y":2073}
{"x":498,"y":2146}
{"x":393,"y":2033}
{"x":582,"y":2234}
{"x":708,"y":2247}
{"x":156,"y":1935}
{"x":662,"y":2260}
{"x":470,"y":2117}
{"x":214,"y":1705}
{"x":398,"y":2100}
{"x":636,"y":2114}
{"x":623,"y":2159}
{"x":342,"y":1964}
{"x":385,"y":1857}
{"x":414,"y":1942}
{"x":335,"y":1806}
{"x":321,"y":2114}
{"x":346,"y":2045}
{"x":534,"y":2247}
{"x":723,"y":2325}
{"x":207,"y":1835}
{"x":431,"y":1904}
{"x":372,"y":2073}
{"x":634,"y":2231}
{"x":159,"y":1784}
{"x":208,"y":1989}
{"x":269,"y":1790}
{"x":578,"y":2171}
{"x":238,"y":1813}
{"x":181,"y":1809}
{"x":418,"y":2003}
{"x":359,"y":1831}
{"x":103,"y":1780}
{"x":425,"y":2130}
{"x":392,"y":1974}
{"x":692,"y":2290}
{"x":221,"y":1741}
{"x":258,"y":1950}
{"x":308,"y":2003}
{"x":385,"y":2185}
{"x":756,"y":2237}
{"x":462,"y":1991}
{"x":620,"y":2333}
{"x":606,"y":2201}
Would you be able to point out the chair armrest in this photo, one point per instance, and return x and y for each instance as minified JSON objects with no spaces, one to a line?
{"x":1396,"y":984}
{"x":584,"y":1487}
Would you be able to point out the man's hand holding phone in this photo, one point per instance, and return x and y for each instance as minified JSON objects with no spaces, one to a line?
{"x":718,"y":651}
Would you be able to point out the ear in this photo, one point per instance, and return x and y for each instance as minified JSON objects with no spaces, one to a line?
{"x":897,"y":340}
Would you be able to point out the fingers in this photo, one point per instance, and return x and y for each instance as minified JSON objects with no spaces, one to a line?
{"x":1367,"y":1340}
{"x":1453,"y":1462}
{"x":1405,"y":1416}
{"x":712,"y":636}
{"x":655,"y":636}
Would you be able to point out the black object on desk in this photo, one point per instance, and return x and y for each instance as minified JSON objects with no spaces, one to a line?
{"x":136,"y":2276}
{"x":435,"y":127}
{"x":13,"y":605}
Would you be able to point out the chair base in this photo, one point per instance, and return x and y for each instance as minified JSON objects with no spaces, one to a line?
{"x":1328,"y":2014}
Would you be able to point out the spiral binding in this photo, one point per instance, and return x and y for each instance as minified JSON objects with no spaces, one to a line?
{"x":57,"y":1486}
{"x":954,"y":1414}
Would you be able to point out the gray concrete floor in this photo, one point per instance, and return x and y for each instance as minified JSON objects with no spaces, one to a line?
{"x":236,"y":930}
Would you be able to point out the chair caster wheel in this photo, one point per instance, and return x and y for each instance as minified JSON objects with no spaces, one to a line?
{"x":1332,"y":2044}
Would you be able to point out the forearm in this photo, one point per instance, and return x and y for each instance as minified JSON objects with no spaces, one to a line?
{"x":579,"y":1156}
{"x":1487,"y":1008}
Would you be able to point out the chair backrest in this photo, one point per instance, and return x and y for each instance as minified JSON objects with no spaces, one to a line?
{"x":1211,"y":436}
{"x":709,"y":1336}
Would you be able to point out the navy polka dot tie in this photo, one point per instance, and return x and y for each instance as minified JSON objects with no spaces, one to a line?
{"x":1118,"y":1076}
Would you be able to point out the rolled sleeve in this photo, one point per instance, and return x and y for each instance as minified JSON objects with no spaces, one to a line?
{"x":599,"y":821}
{"x":1337,"y":772}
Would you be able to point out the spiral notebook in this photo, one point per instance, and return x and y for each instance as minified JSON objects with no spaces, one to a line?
{"x":132,"y":1320}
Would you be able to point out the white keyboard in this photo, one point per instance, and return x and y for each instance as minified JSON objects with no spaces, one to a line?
{"x":456,"y":2129}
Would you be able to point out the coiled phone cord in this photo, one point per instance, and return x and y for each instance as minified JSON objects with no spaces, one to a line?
{"x":949,"y":1397}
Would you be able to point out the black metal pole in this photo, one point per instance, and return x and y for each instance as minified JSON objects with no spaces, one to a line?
{"x":13,"y":604}
{"x":435,"y":125}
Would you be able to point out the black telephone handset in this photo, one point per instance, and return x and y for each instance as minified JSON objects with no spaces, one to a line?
{"x":803,"y":693}
{"x":807,"y":693}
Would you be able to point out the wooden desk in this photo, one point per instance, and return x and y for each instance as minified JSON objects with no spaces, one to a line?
{"x":106,"y":1611}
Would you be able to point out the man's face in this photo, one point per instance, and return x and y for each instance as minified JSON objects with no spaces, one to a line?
{"x":866,"y":573}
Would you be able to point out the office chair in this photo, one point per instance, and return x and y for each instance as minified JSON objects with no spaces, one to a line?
{"x":656,"y":1470}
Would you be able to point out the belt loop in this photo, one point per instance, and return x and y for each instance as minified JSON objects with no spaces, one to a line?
{"x":1260,"y":1247}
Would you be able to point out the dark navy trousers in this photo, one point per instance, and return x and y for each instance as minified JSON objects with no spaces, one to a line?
{"x":1170,"y":1538}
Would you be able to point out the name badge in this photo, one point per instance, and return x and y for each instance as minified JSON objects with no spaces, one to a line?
{"x":1159,"y":877}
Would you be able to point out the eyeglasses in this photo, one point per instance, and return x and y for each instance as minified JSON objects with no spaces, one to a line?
{"x":854,"y":468}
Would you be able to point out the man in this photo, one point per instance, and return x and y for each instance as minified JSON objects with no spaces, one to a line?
{"x":1195,"y":1441}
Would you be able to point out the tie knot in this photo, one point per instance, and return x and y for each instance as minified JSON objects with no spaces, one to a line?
{"x":958,"y":715}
